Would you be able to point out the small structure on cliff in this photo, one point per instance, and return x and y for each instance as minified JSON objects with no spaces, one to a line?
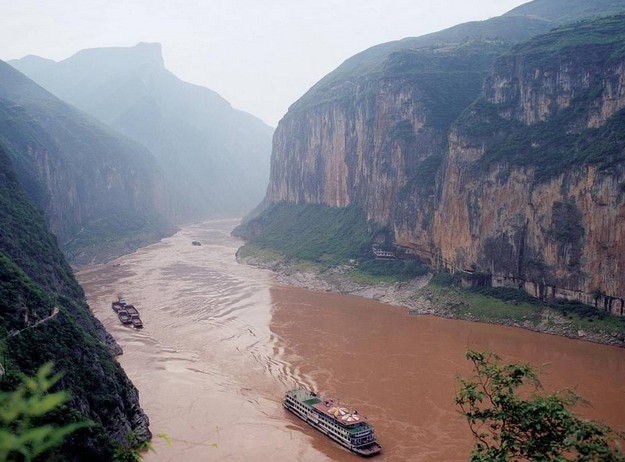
{"x":383,"y":254}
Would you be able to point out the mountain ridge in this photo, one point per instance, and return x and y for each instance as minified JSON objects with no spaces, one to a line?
{"x":79,"y":171}
{"x":37,"y":283}
{"x":518,"y":24}
{"x":215,"y":158}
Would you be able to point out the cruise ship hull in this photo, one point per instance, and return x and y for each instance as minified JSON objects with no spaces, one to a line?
{"x":345,"y":435}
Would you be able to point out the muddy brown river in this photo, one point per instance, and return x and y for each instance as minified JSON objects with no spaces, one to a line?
{"x":222,"y":343}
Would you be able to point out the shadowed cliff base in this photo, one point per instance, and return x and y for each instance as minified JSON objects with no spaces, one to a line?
{"x":331,"y":249}
{"x":107,"y":238}
{"x":437,"y":296}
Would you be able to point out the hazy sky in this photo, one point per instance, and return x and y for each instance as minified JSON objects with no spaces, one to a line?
{"x":260,"y":55}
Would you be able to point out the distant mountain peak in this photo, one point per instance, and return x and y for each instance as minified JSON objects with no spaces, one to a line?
{"x":35,"y":59}
{"x":141,"y":54}
{"x":152,"y":46}
{"x":221,"y":155}
{"x":149,"y":50}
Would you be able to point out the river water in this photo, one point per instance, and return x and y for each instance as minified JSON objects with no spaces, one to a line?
{"x":222,"y":343}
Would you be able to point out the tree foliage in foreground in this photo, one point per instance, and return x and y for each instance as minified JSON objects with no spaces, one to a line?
{"x":509,"y":427}
{"x":21,"y":438}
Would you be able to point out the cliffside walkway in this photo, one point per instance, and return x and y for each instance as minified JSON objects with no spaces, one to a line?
{"x":55,"y":311}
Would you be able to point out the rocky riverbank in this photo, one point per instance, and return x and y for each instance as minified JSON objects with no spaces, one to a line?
{"x":421,"y":298}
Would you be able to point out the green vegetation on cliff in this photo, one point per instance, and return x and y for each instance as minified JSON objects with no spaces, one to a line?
{"x":26,"y":240}
{"x":518,"y":25}
{"x":310,"y":232}
{"x":550,"y":148}
{"x":318,"y":237}
{"x":564,"y":140}
{"x":371,"y":64}
{"x":592,"y":41}
{"x":445,"y":78}
{"x":566,"y":11}
{"x":43,"y":318}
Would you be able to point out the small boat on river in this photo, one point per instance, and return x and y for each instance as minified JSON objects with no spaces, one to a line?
{"x":127,"y":314}
{"x":345,"y":426}
{"x":136,"y":322}
{"x":118,"y":305}
{"x":132,"y":311}
{"x":124,"y":317}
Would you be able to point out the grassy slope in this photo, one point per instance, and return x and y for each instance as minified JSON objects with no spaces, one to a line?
{"x":310,"y":232}
{"x":313,"y":238}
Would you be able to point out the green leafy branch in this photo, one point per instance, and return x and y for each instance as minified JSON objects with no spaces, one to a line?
{"x":20,"y":437}
{"x":508,"y":426}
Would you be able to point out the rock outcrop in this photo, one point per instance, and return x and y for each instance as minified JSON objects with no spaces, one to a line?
{"x":549,"y":215}
{"x":510,"y":166}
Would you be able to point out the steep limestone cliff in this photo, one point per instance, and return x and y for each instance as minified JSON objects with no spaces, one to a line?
{"x":521,"y":178}
{"x":543,"y":207}
{"x":369,"y":143}
{"x":374,"y":131}
{"x":329,"y":156}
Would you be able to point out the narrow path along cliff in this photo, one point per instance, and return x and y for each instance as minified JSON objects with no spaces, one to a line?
{"x":55,"y":311}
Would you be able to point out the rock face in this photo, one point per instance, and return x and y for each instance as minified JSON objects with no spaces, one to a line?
{"x":553,"y":226}
{"x":511,"y":166}
{"x":37,"y":284}
{"x":215,"y":159}
{"x":89,"y":180}
{"x":389,"y":127}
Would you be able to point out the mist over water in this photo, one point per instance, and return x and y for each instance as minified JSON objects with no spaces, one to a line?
{"x":222,"y":343}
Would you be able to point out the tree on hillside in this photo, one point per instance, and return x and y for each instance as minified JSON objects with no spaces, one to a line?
{"x":511,"y":421}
